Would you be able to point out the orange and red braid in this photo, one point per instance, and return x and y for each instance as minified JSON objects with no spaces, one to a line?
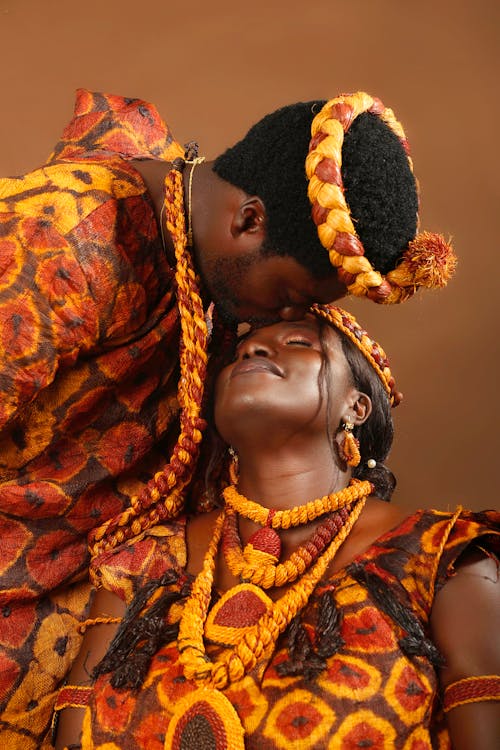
{"x":428,"y":260}
{"x":163,"y":496}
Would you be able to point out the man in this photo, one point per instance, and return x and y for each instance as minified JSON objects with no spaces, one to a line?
{"x":95,"y":327}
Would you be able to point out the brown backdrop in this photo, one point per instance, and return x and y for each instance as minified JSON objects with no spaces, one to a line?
{"x":213,"y":68}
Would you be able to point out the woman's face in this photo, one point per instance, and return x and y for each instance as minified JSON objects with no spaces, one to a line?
{"x":273,"y":385}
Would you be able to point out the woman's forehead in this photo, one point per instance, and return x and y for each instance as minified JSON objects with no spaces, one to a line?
{"x":309,"y":321}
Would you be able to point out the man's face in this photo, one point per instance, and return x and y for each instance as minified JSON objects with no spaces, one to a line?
{"x":264,"y":289}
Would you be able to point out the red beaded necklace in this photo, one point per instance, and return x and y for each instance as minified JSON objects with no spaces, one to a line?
{"x":258,"y":562}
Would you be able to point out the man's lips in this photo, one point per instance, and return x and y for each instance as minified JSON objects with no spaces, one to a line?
{"x":256,"y":364}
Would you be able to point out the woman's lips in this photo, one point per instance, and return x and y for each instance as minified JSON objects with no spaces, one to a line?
{"x":256,"y":364}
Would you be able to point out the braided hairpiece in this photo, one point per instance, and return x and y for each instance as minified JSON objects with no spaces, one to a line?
{"x":427,"y":261}
{"x":373,"y":352}
{"x":163,"y":496}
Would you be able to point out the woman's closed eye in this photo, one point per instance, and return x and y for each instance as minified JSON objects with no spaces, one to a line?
{"x":298,"y":342}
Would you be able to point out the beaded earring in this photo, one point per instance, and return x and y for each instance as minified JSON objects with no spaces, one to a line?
{"x":349,"y":446}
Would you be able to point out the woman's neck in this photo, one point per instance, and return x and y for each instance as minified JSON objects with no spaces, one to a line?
{"x":281,"y":479}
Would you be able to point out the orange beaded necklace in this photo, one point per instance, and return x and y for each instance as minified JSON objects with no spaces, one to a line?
{"x":255,"y":639}
{"x":300,"y":514}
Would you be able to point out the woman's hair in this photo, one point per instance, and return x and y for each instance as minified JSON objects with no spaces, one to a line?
{"x":376,"y":434}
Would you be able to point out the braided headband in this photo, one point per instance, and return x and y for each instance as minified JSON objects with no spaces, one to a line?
{"x":348,"y":325}
{"x":428,"y":260}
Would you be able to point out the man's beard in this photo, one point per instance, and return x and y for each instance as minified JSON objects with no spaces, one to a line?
{"x":222,"y":277}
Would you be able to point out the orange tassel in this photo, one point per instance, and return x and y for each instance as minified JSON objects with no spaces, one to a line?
{"x":430,"y":260}
{"x":349,"y":447}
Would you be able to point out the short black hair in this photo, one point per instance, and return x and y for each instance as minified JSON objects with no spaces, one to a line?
{"x":380,"y":188}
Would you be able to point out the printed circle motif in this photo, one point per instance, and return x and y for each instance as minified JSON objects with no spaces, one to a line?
{"x":205,"y":719}
{"x":299,"y":720}
{"x":364,"y":729}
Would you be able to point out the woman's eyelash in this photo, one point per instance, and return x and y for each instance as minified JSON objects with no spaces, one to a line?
{"x":303,"y":342}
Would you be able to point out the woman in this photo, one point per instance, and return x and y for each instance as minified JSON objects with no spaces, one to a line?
{"x":332,"y":623}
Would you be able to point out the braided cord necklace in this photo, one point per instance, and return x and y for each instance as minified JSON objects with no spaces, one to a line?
{"x":262,"y":567}
{"x":258,"y":641}
{"x":300,"y":514}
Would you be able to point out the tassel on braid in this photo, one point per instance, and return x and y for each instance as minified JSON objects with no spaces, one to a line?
{"x":163,"y":496}
{"x":132,"y":672}
{"x":123,"y":641}
{"x":329,"y":639}
{"x":305,"y":659}
{"x":142,"y":632}
{"x":388,"y":598}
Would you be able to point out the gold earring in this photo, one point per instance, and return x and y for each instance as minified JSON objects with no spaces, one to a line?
{"x":349,"y":446}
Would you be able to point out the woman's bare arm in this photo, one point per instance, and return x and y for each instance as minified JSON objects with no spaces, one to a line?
{"x":465,"y":623}
{"x":94,"y":646}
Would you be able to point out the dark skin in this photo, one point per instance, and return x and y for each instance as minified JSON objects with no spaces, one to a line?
{"x":229,"y":229}
{"x":285,"y":456}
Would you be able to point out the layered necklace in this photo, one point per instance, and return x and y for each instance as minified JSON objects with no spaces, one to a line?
{"x":258,"y":562}
{"x":245,"y":620}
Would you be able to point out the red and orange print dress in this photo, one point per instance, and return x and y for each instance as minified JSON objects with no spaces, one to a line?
{"x":371,"y":693}
{"x":88,"y":381}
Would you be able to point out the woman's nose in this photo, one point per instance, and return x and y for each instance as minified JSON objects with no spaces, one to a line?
{"x":255,"y":346}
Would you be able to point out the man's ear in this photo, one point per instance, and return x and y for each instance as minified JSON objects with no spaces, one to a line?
{"x":249,"y":217}
{"x":361,"y":406}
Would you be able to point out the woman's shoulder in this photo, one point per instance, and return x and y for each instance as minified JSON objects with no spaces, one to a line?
{"x":421,"y":550}
{"x":433,"y":531}
{"x":377,"y":519}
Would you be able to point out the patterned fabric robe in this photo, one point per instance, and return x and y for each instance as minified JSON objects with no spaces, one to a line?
{"x":371,"y":694}
{"x":88,"y":381}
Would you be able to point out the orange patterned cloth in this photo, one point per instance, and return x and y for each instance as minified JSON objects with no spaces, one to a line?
{"x":88,"y":381}
{"x":370,"y":695}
